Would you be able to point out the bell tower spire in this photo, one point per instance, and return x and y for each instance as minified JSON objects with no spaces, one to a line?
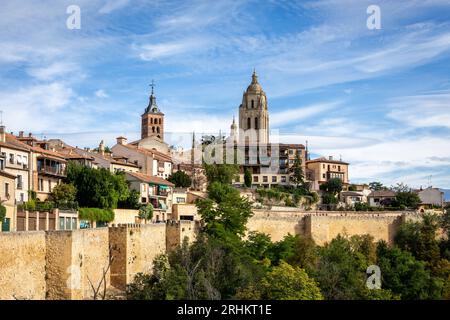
{"x":153,"y":118}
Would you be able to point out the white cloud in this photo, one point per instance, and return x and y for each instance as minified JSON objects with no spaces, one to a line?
{"x":101,"y":94}
{"x":55,"y":70}
{"x":295,"y":114}
{"x":112,"y":5}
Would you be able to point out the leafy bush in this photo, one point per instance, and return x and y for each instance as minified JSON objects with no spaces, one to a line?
{"x":180,"y":179}
{"x":146,"y":212}
{"x":96,"y":214}
{"x":2,"y":212}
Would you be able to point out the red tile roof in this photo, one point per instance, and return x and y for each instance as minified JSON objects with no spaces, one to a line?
{"x":150,"y":179}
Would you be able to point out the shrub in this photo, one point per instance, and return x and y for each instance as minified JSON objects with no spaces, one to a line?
{"x":96,"y":214}
{"x":2,"y":212}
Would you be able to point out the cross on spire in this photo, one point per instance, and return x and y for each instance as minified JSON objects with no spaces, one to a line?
{"x":152,"y":85}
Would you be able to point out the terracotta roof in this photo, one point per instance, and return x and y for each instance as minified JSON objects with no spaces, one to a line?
{"x":12,"y":142}
{"x":382,"y":193}
{"x":150,"y":179}
{"x":153,"y":153}
{"x":323,"y":159}
{"x":49,"y":153}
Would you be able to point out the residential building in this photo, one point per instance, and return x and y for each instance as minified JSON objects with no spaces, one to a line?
{"x":320,"y":170}
{"x":154,"y":190}
{"x":381,"y":198}
{"x":16,"y":160}
{"x":7,"y":199}
{"x":431,"y":197}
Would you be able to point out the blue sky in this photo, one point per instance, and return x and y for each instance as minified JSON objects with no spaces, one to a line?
{"x":379,"y":99}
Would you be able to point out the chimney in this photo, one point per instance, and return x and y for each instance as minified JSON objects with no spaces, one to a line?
{"x":2,"y":134}
{"x":330,"y":158}
{"x":121,"y":140}
{"x":20,"y":134}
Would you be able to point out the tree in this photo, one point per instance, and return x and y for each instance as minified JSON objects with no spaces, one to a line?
{"x":247,"y":178}
{"x":223,"y":173}
{"x":407,"y":199}
{"x":97,"y":188}
{"x":332,"y":186}
{"x":296,"y":174}
{"x":376,"y":186}
{"x":286,"y":282}
{"x":404,"y":275}
{"x":146,"y":212}
{"x":131,"y":202}
{"x":400,"y":187}
{"x":180,"y":179}
{"x":63,"y":193}
{"x":419,"y":238}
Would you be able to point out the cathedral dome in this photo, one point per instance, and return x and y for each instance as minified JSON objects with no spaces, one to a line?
{"x":255,"y":87}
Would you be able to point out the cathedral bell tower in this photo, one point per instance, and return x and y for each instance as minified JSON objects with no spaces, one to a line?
{"x":253,"y":112}
{"x":152,"y":119}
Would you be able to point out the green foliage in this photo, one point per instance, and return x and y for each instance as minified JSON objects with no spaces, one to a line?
{"x":296,"y":174}
{"x":97,"y":188}
{"x":332,"y":186}
{"x":223,"y":173}
{"x":404,"y":275}
{"x":352,"y":187}
{"x":341,"y":271}
{"x":285,"y":282}
{"x":63,"y":193}
{"x":329,"y":198}
{"x":2,"y":212}
{"x":225,"y":213}
{"x":42,"y":206}
{"x":96,"y":214}
{"x":146,"y":212}
{"x":180,"y":179}
{"x":247,"y":178}
{"x":131,"y":202}
{"x":376,"y":186}
{"x":406,"y":199}
{"x":401,"y":187}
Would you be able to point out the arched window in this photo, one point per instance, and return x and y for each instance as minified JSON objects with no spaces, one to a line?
{"x":157,"y":129}
{"x":256,"y":123}
{"x":253,"y":103}
{"x":151,"y":120}
{"x":249,"y":122}
{"x":159,"y":120}
{"x":153,"y":129}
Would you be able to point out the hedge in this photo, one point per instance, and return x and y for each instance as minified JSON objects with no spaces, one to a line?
{"x":96,"y":214}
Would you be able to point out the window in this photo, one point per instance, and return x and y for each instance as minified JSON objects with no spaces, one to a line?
{"x":62,"y":223}
{"x":49,"y":186}
{"x":11,"y":158}
{"x":25,"y":161}
{"x":274,"y":178}
{"x":249,"y":123}
{"x":143,"y":200}
{"x":265,"y":179}
{"x":253,"y":103}
{"x":283,"y":178}
{"x":74,"y":223}
{"x":22,"y":197}
{"x":255,"y":178}
{"x":323,"y":166}
{"x":157,"y":129}
{"x":323,"y":175}
{"x":19,"y":159}
{"x":181,"y":200}
{"x":151,"y":120}
{"x":6,"y":190}
{"x":19,"y":182}
{"x":2,"y":164}
{"x":153,"y":129}
{"x":291,"y":151}
{"x":339,"y":168}
{"x":41,"y":185}
{"x":256,"y":123}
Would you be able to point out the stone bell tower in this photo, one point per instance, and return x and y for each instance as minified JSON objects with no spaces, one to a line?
{"x":152,"y":119}
{"x":253,"y":112}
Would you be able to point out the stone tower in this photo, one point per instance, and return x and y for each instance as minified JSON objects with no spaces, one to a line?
{"x":234,"y":131}
{"x":152,"y":120}
{"x":253,"y":112}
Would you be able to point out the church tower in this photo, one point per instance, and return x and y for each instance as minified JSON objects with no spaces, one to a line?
{"x":253,"y":112}
{"x":152,"y":120}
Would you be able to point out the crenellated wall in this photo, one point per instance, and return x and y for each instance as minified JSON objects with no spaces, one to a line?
{"x":324,"y":226}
